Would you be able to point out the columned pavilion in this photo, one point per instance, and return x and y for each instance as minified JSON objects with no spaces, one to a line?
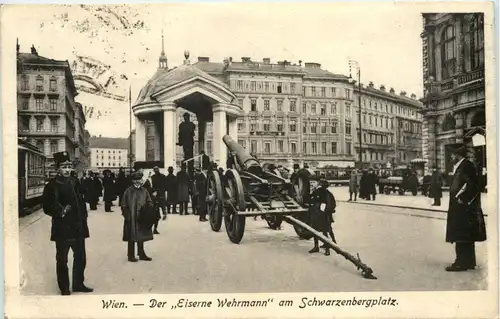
{"x":189,"y":88}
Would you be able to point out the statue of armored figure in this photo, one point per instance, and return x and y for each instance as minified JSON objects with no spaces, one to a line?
{"x":186,"y":140}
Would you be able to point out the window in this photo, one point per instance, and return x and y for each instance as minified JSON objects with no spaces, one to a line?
{"x":267,"y":125}
{"x":323,"y":92}
{"x":266,"y":86}
{"x":280,"y":146}
{"x":25,"y":123}
{"x":304,"y":91}
{"x":334,"y":108}
{"x":39,"y":124}
{"x":333,"y":92}
{"x":323,"y":147}
{"x":313,"y":91}
{"x":334,"y":147}
{"x":371,"y":120}
{"x":279,"y":125}
{"x":279,"y":88}
{"x":348,"y":148}
{"x":280,"y":105}
{"x":314,"y":127}
{"x":267,"y":147}
{"x":25,"y":84}
{"x":348,"y":128}
{"x":53,"y":85}
{"x":293,"y":105}
{"x":39,"y":104}
{"x":239,"y":85}
{"x":266,"y":105}
{"x":253,"y":147}
{"x":292,"y":88}
{"x":314,"y":148}
{"x":304,"y":127}
{"x":253,"y":105}
{"x":253,"y":125}
{"x":54,"y":125}
{"x":39,"y":83}
{"x":448,"y":60}
{"x":253,"y":86}
{"x":348,"y":110}
{"x":304,"y":147}
{"x":334,"y":127}
{"x":348,"y":94}
{"x":25,"y":104}
{"x":476,"y":35}
{"x":323,"y":109}
{"x":54,"y":147}
{"x":293,"y":125}
{"x":304,"y":108}
{"x":241,"y":125}
{"x":323,"y":128}
{"x":313,"y":108}
{"x":53,"y":104}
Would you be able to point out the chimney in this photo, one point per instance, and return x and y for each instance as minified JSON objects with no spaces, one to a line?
{"x":392,"y":90}
{"x":203,"y":59}
{"x":245,"y":59}
{"x":371,"y":84}
{"x":403,"y":93}
{"x":312,"y":65}
{"x":382,"y":88}
{"x":300,"y":62}
{"x":266,"y":61}
{"x":33,"y":50}
{"x":413,"y":96}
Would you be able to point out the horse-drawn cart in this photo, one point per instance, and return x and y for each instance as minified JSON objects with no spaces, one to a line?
{"x":249,"y":190}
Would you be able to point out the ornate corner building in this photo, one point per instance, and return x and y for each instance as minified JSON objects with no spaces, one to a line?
{"x":454,"y":87}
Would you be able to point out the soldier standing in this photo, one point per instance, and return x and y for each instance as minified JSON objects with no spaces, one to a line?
{"x":63,"y":201}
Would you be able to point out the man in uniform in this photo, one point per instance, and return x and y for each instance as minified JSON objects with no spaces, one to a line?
{"x":465,"y":219}
{"x":63,"y":201}
{"x":186,"y":140}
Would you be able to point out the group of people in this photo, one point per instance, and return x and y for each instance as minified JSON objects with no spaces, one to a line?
{"x":364,"y":185}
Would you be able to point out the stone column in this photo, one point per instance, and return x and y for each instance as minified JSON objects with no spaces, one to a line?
{"x":233,"y":128}
{"x":169,"y":136}
{"x":140,"y":140}
{"x":202,"y":129}
{"x":219,"y":130}
{"x":157,"y":140}
{"x":459,"y":127}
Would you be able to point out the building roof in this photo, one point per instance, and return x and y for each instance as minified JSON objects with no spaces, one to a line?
{"x":164,"y":78}
{"x":109,"y":142}
{"x":388,"y":94}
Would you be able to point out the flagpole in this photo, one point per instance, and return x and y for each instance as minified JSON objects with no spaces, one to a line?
{"x":130,"y":126}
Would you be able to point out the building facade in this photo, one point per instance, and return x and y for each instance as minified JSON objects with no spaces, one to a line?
{"x":108,"y":153}
{"x":391,"y":126}
{"x":48,"y":116}
{"x":82,"y":151}
{"x":454,"y":89}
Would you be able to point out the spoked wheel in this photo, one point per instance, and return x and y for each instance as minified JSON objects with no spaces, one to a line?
{"x":234,"y":223}
{"x":274,"y":222}
{"x":214,"y":200}
{"x":301,"y":191}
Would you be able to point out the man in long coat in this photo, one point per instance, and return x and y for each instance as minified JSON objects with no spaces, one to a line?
{"x":465,"y":221}
{"x":63,"y":201}
{"x":109,"y":191}
{"x":353,"y":185}
{"x":201,"y":188}
{"x":159,"y":186}
{"x":322,"y":210}
{"x":171,"y":188}
{"x":121,"y":184}
{"x":186,"y":140}
{"x":436,"y":187}
{"x":136,"y":205}
{"x":183,"y":190}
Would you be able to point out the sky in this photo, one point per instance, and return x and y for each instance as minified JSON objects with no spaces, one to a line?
{"x":383,"y":38}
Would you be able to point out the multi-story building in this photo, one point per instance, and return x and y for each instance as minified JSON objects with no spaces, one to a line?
{"x":454,"y":87}
{"x":81,"y":146}
{"x":391,"y":126}
{"x":46,"y":105}
{"x":108,"y":153}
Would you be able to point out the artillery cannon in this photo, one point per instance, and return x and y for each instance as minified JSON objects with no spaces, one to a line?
{"x":247,"y":189}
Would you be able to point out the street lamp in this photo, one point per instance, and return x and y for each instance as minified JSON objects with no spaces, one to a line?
{"x":355,"y":65}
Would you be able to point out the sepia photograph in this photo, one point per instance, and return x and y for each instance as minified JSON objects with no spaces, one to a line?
{"x":236,"y":159}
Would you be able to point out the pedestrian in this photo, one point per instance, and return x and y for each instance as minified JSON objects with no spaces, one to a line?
{"x":91,"y":191}
{"x":372,"y":181}
{"x":109,"y":191}
{"x":353,"y":185}
{"x":183,"y":189}
{"x":159,"y":186}
{"x":322,"y":209}
{"x":205,"y":161}
{"x":154,"y":197}
{"x":63,"y":201}
{"x":413,"y":183}
{"x":171,"y":188}
{"x":436,"y":187}
{"x":363,"y":185}
{"x":121,"y":184}
{"x":465,"y":220}
{"x":98,"y":187}
{"x":138,"y":213}
{"x":201,"y":188}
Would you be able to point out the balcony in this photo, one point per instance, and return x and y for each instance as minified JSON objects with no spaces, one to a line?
{"x":470,"y":77}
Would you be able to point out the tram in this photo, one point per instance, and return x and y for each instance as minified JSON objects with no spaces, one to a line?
{"x":31,"y":176}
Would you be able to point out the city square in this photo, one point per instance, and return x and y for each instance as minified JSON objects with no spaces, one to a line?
{"x":264,"y":159}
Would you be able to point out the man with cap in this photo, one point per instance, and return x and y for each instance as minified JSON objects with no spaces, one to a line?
{"x":186,"y":140}
{"x":159,"y":186}
{"x":63,"y":201}
{"x":465,"y":220}
{"x":136,"y":206}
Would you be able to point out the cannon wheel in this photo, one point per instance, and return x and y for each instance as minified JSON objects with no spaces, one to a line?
{"x":301,"y":190}
{"x":235,"y":224}
{"x":214,"y":200}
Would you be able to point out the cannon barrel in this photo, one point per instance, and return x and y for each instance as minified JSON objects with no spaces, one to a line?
{"x":245,"y":160}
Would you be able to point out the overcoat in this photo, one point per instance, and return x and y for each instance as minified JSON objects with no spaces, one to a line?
{"x":121,"y":183}
{"x":363,"y":185}
{"x":436,"y":185}
{"x":159,"y":185}
{"x":136,"y":202}
{"x":201,"y":188}
{"x":57,"y":194}
{"x":322,"y":218}
{"x":465,"y":220}
{"x":183,"y":187}
{"x":353,"y":183}
{"x":109,"y":189}
{"x":171,"y":188}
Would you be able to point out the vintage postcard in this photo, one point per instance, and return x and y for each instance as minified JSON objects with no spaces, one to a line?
{"x":250,"y":160}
